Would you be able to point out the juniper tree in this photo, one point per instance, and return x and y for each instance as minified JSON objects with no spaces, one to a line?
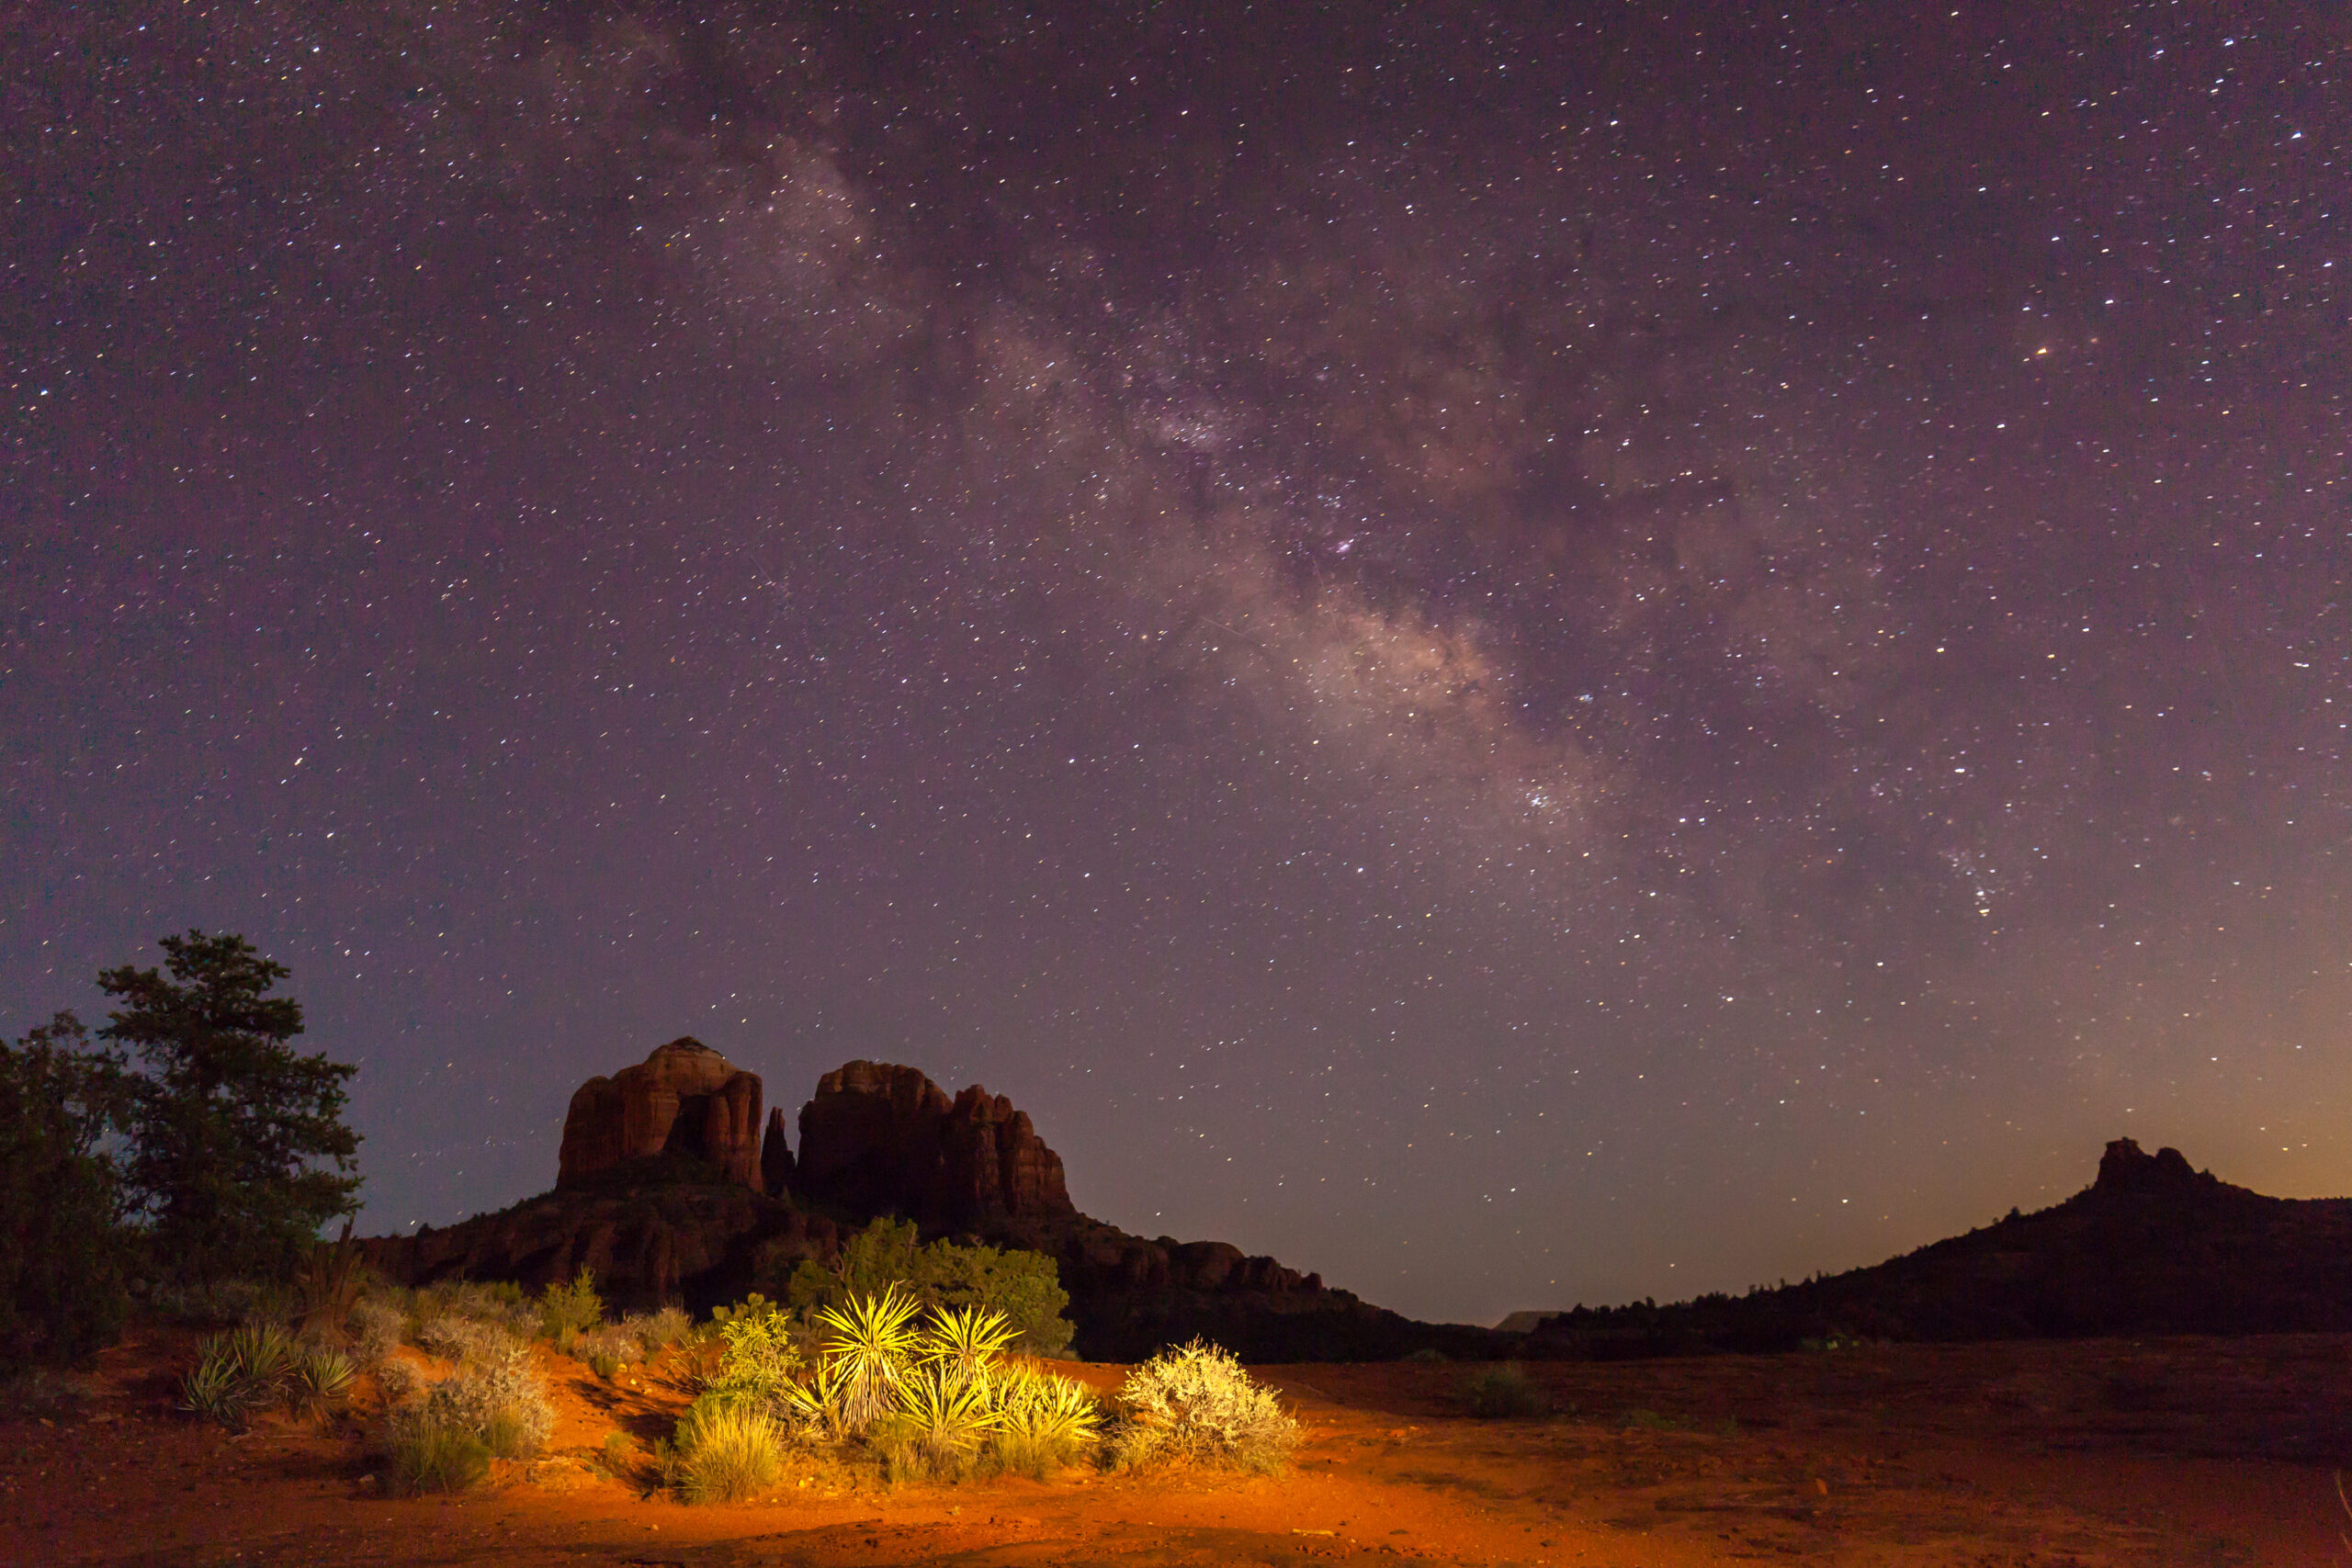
{"x":238,"y":1152}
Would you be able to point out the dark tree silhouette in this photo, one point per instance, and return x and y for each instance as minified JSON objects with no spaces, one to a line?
{"x":61,"y":1237}
{"x":238,"y":1150}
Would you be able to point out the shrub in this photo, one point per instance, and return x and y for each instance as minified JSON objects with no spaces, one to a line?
{"x":657,"y":1331}
{"x":572,"y":1309}
{"x":423,"y":1453}
{"x":62,"y":1102}
{"x":377,"y":1329}
{"x":462,"y":1339}
{"x":1025,"y":1287}
{"x":760,"y":1361}
{"x":726,"y":1453}
{"x":497,"y":1395}
{"x":608,"y":1350}
{"x":1197,"y":1403}
{"x":1503,"y":1390}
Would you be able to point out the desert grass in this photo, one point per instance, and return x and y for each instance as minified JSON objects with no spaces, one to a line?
{"x":727,"y":1453}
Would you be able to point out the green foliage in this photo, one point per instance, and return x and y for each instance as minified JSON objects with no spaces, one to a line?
{"x":61,"y":1238}
{"x":931,"y":1399}
{"x":1503,"y":1390}
{"x":320,"y":1383}
{"x":726,"y":1453}
{"x":938,"y":1421}
{"x":423,"y":1454}
{"x":869,"y":1346}
{"x":1025,"y":1287}
{"x":964,"y":1339}
{"x":760,"y":1361}
{"x":1196,"y":1403}
{"x":238,"y":1149}
{"x":241,"y":1374}
{"x":1049,"y":1421}
{"x":569,"y":1310}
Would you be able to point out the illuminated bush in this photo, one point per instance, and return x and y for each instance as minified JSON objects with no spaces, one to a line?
{"x":1195,"y":1404}
{"x":726,"y":1453}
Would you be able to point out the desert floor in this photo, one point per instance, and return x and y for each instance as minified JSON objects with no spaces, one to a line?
{"x":2102,"y":1452}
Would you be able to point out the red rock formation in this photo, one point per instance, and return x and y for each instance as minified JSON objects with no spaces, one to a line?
{"x":775,"y":1157}
{"x":683,"y":1099}
{"x":883,"y":1138}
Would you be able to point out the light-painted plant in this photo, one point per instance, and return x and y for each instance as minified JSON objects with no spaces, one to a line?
{"x":1196,"y":1403}
{"x":726,"y":1453}
{"x":869,"y":1345}
{"x":968,"y":1339}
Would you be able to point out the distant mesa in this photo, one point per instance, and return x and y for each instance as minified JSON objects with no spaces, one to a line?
{"x":685,"y":1100}
{"x":2126,"y":1167}
{"x":671,"y":1185}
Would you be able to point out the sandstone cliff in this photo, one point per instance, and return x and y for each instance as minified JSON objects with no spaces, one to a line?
{"x":685,"y":1099}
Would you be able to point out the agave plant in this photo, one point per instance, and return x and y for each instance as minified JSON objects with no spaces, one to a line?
{"x":869,"y":1345}
{"x":968,"y":1339}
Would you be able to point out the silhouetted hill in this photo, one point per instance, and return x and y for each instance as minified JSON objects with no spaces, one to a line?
{"x":2151,"y":1248}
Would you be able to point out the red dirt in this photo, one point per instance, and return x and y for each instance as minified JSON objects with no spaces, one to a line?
{"x":2082,"y":1455}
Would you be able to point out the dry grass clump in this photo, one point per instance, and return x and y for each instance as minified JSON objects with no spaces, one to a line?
{"x":1503,"y":1390}
{"x":377,"y":1329}
{"x":726,"y":1453}
{"x":442,"y":1436}
{"x":1197,"y":1404}
{"x":422,"y":1453}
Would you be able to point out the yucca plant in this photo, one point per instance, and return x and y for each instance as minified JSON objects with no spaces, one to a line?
{"x":319,"y":1382}
{"x":814,"y":1407}
{"x":241,"y":1373}
{"x":213,"y":1390}
{"x":869,"y":1347}
{"x":1049,"y":1421}
{"x":968,"y":1338}
{"x":938,"y":1424}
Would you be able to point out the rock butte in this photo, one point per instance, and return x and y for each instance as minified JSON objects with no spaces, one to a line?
{"x":683,"y":1100}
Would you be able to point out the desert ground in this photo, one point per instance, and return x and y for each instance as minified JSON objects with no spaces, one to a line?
{"x":2086,"y":1454}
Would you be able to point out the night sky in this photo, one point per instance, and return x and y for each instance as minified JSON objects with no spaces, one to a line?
{"x":1520,"y":653}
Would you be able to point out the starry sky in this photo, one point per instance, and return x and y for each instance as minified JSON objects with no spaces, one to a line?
{"x":1522,"y":653}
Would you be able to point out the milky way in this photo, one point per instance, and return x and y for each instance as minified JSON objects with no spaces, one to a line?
{"x":1521,"y":654}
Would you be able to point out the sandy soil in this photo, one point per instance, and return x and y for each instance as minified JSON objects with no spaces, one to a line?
{"x":2082,"y":1455}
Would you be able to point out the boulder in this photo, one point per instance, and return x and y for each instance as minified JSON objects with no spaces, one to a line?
{"x":686,"y":1100}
